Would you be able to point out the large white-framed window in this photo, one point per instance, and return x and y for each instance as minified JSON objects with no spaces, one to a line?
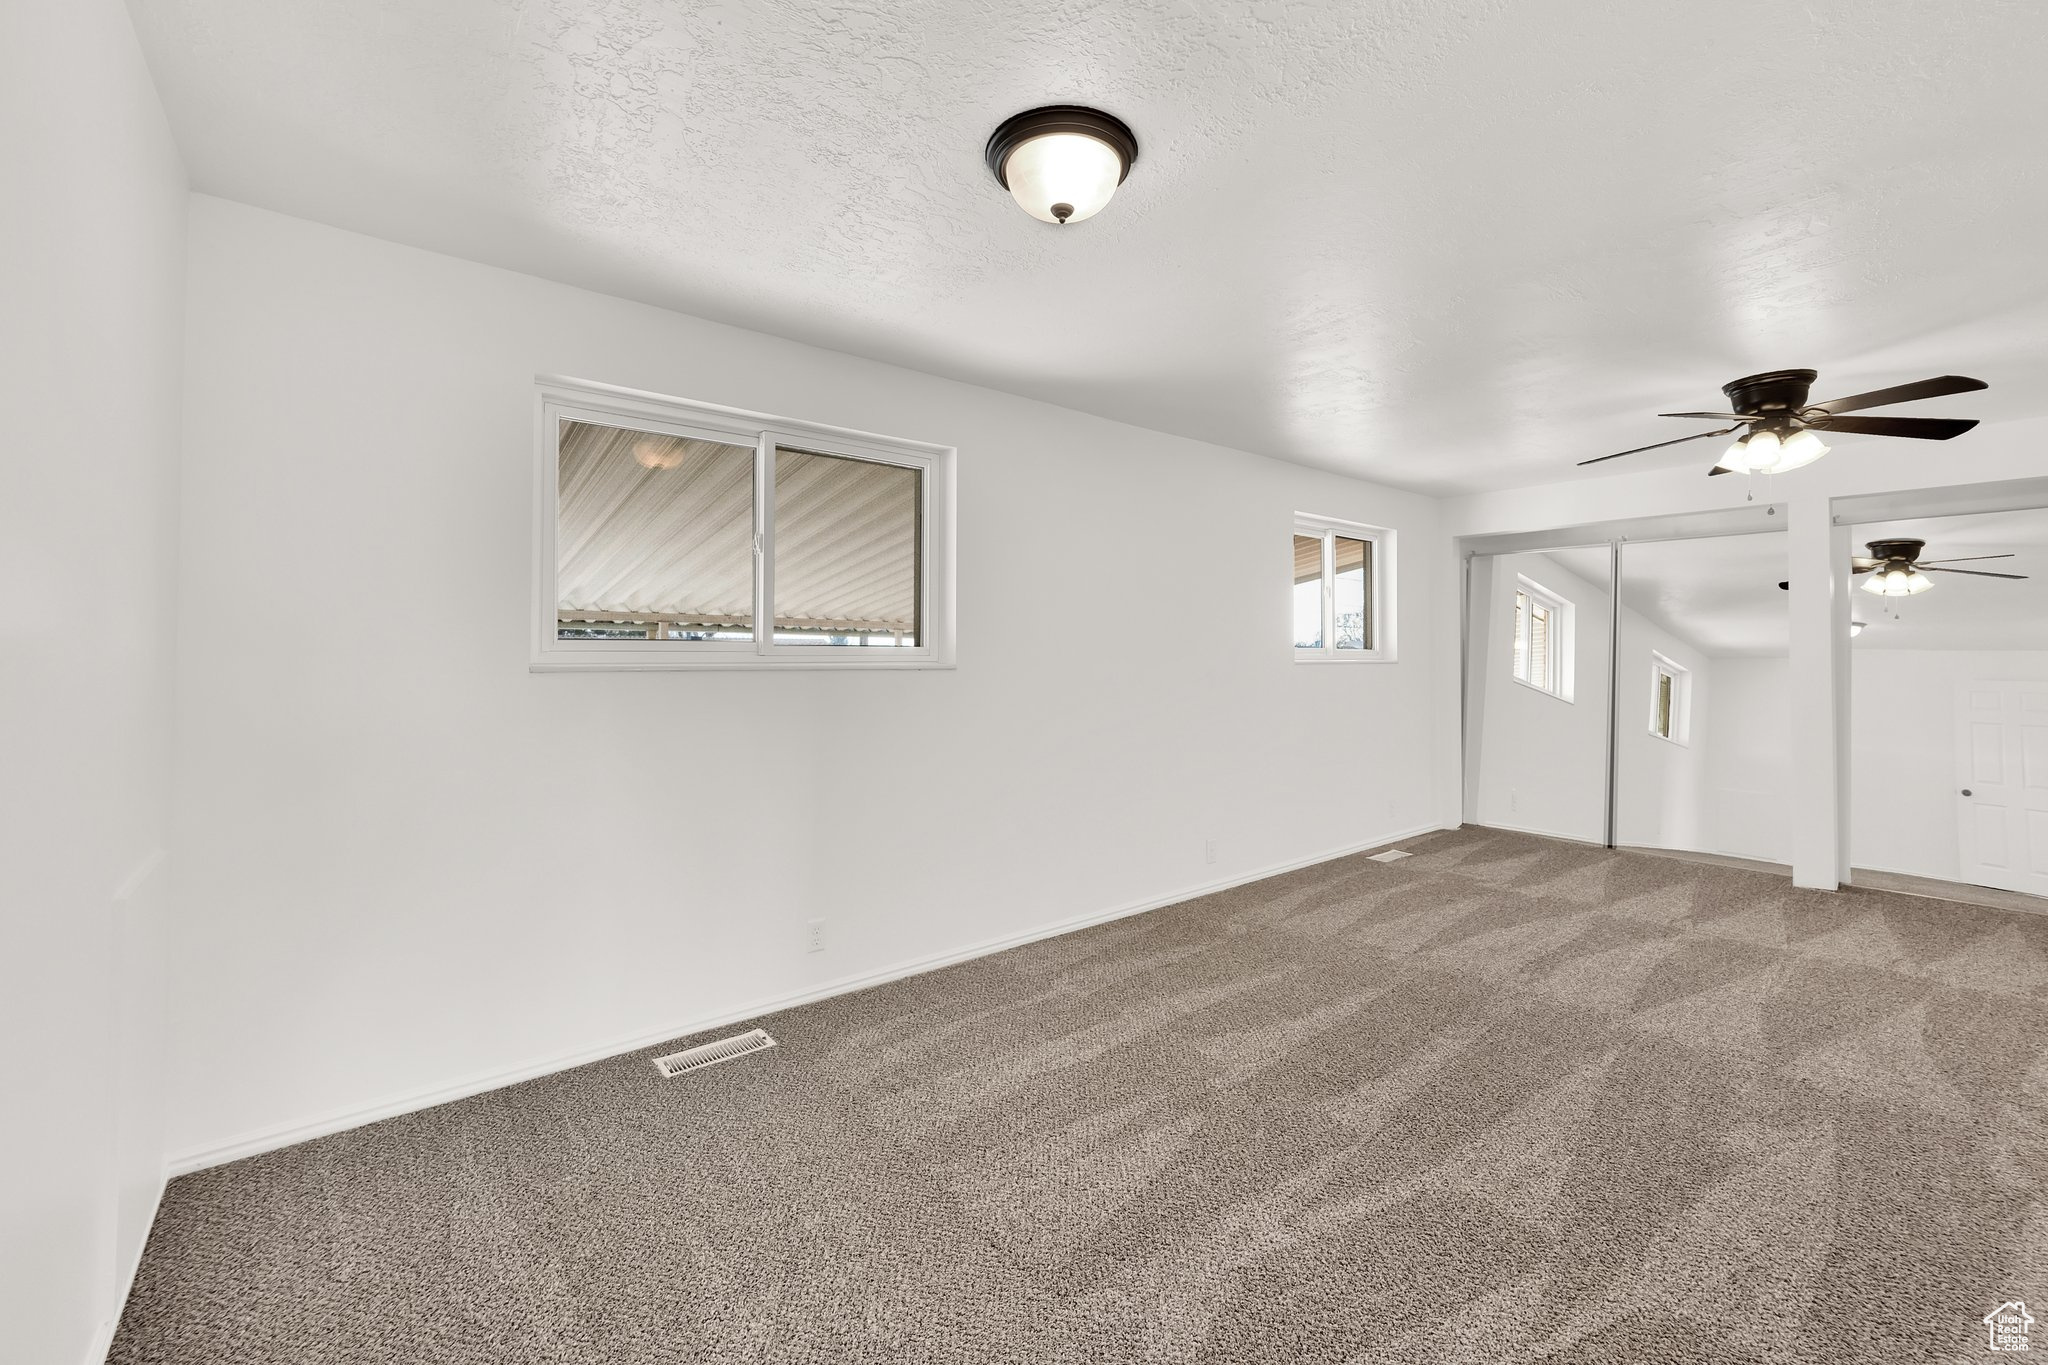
{"x":1543,"y":639}
{"x":1343,"y":591}
{"x":1670,"y":699}
{"x":671,"y":534}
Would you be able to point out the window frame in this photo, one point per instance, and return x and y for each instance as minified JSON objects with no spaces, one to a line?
{"x":1562,"y":639}
{"x":558,"y":399}
{"x":1379,"y":596}
{"x":1663,"y":666}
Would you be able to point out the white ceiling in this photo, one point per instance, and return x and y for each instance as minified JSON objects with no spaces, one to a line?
{"x":1721,"y":594}
{"x":1451,"y":246}
{"x":1959,"y":612}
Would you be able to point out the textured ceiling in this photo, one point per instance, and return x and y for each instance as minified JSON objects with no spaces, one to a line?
{"x":1451,"y":246}
{"x":1721,"y":594}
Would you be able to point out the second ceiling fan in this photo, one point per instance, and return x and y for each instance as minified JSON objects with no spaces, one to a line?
{"x":1897,"y":570}
{"x":1783,"y":428}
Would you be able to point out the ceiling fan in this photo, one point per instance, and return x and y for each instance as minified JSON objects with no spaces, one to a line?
{"x":1784,"y":428}
{"x":1898,"y":570}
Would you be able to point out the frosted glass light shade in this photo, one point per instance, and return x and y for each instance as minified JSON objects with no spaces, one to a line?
{"x":1063,"y":171}
{"x":1897,"y":582}
{"x":1062,"y":162}
{"x":1764,"y":452}
{"x":1800,"y":448}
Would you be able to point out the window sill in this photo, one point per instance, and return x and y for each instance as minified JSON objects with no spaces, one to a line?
{"x":1349,"y":656}
{"x":1541,"y":691}
{"x":745,"y":661}
{"x":1669,"y":740}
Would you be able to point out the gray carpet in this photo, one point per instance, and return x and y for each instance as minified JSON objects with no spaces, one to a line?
{"x":1509,"y":1100}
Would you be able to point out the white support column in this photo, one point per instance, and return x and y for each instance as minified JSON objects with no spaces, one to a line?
{"x":1476,"y":582}
{"x":1818,"y":706}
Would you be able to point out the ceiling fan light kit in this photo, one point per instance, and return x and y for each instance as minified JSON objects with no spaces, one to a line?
{"x":1781,"y":429}
{"x":1905,"y":582}
{"x":1061,"y":162}
{"x":1766,"y":452}
{"x":1897,"y":570}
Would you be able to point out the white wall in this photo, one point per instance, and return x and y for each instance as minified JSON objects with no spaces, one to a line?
{"x":1541,"y":761}
{"x":1660,"y":785}
{"x":411,"y":866}
{"x":1903,"y":745}
{"x":1674,"y":483}
{"x":91,"y":275}
{"x":1748,"y":807}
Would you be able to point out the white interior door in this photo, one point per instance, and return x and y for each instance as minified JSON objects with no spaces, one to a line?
{"x":2002,"y":786}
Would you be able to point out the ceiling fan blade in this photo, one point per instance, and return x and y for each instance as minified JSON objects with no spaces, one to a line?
{"x":1864,"y":561}
{"x":1715,"y":416}
{"x":1974,"y":573}
{"x":1920,"y":428}
{"x":1962,"y":559}
{"x":1658,"y":446}
{"x":1903,"y":393}
{"x":1864,"y":568}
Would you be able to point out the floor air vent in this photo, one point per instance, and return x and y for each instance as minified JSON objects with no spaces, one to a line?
{"x":1392,"y":855}
{"x":711,"y":1054}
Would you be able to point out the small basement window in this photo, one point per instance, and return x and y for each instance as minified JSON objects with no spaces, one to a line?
{"x":1670,"y":699}
{"x":674,"y":534}
{"x":1343,"y":602}
{"x":1543,"y":639}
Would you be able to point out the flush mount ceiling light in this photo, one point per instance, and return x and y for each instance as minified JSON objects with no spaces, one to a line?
{"x":1061,"y":163}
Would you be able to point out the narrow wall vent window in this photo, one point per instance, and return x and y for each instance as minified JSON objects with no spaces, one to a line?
{"x":680,"y":535}
{"x":1342,"y":598}
{"x":1670,"y":699}
{"x":1542,"y":645}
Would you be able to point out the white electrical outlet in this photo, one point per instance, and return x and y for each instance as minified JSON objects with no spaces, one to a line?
{"x":814,"y":936}
{"x":1208,"y":850}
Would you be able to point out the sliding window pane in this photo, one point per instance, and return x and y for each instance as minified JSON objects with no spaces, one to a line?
{"x":1308,"y":592}
{"x":1351,"y":583}
{"x":847,"y":537}
{"x":654,"y":536}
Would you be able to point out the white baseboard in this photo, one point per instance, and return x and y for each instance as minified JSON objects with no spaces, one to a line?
{"x":335,"y":1121}
{"x":1539,"y":833}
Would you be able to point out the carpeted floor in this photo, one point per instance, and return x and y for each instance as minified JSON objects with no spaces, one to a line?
{"x":1508,"y":1100}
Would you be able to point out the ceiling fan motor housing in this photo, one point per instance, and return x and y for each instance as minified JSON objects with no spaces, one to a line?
{"x":1778,"y":393}
{"x":1890,"y":550}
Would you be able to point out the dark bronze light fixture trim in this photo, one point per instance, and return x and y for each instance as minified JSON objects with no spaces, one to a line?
{"x":1015,"y":132}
